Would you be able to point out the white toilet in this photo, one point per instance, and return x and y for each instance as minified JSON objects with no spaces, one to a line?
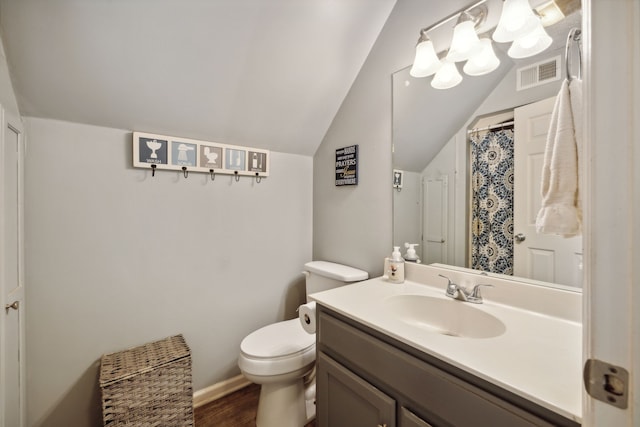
{"x":279,"y":356}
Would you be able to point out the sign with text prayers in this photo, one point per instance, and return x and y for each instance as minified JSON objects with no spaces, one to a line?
{"x":347,"y":165}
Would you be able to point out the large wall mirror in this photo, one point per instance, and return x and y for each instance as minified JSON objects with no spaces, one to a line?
{"x":438,"y":137}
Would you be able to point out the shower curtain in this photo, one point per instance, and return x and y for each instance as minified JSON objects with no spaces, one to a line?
{"x":492,"y":201}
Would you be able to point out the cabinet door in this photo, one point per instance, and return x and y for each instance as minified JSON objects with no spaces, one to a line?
{"x":409,"y":419}
{"x":345,"y":400}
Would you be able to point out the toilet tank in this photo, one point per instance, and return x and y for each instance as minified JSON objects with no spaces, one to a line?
{"x":324,"y":275}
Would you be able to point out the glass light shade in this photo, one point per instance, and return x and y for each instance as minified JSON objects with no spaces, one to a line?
{"x":516,"y":20}
{"x":447,"y":76}
{"x":464,"y":42}
{"x":483,"y":62}
{"x":530,"y":44}
{"x":426,"y":61}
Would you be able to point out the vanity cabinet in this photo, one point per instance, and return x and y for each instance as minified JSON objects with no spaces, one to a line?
{"x":368,"y":379}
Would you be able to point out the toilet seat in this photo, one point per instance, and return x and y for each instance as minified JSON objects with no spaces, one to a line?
{"x":277,"y":349}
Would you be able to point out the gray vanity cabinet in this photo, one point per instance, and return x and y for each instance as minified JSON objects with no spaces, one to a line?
{"x":365,"y":378}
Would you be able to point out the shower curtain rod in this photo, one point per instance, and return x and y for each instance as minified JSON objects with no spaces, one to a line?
{"x":499,"y":125}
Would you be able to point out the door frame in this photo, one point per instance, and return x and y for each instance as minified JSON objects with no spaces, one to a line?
{"x":13,"y":121}
{"x":611,"y":320}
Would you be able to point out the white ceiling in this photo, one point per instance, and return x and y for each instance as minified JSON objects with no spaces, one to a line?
{"x":262,"y":73}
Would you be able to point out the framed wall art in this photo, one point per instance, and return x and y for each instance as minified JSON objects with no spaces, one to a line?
{"x":347,"y":166}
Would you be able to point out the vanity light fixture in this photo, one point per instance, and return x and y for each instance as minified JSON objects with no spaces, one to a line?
{"x":518,"y":23}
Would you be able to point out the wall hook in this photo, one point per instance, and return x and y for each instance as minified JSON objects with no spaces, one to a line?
{"x":213,"y":174}
{"x":153,"y":170}
{"x":258,"y":178}
{"x":185,"y":172}
{"x":237,"y":176}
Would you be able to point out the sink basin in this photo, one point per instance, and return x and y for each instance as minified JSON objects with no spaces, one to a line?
{"x":444,"y":316}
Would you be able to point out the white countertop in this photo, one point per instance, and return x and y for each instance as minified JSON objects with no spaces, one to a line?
{"x":538,"y":357}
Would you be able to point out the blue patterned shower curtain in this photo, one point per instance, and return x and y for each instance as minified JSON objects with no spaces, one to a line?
{"x":492,"y":201}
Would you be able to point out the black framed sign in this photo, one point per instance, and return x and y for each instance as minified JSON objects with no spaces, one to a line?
{"x":347,"y":166}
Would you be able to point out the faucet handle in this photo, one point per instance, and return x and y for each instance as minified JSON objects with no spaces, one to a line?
{"x":452,"y":288}
{"x":475,"y":295}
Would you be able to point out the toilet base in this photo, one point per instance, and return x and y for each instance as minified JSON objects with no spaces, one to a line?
{"x":282,"y":405}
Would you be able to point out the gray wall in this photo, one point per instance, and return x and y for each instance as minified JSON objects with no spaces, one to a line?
{"x":116,"y":258}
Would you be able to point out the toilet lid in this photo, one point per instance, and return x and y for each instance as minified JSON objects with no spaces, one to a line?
{"x":277,"y":340}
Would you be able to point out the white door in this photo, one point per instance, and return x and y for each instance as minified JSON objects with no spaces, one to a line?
{"x":12,"y":373}
{"x":543,"y":257}
{"x":434,"y":220}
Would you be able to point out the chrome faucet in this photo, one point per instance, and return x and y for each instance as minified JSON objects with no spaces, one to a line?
{"x":462,"y":294}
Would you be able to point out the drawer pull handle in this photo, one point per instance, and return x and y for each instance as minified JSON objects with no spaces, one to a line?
{"x":382,"y":425}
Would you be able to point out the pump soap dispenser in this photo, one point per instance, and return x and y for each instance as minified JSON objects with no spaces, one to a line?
{"x":396,"y":266}
{"x":411,"y":255}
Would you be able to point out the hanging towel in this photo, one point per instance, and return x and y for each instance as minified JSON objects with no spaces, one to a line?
{"x":561,"y":211}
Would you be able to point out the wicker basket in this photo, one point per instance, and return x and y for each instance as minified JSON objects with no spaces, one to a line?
{"x":148,"y":385}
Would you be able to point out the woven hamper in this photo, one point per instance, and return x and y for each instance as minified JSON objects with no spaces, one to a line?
{"x":149,"y":385}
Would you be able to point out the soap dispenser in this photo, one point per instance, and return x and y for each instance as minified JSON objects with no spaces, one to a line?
{"x":411,"y":255}
{"x":396,"y":266}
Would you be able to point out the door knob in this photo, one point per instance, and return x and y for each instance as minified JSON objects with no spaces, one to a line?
{"x":14,"y":306}
{"x":519,"y":238}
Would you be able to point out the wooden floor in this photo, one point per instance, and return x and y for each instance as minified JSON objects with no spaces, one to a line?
{"x":235,"y":410}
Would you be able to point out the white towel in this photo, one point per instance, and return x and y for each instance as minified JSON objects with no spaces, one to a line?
{"x":561,"y":212}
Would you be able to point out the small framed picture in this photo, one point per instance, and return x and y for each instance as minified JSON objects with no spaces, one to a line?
{"x":235,"y":159}
{"x":150,"y":151}
{"x":210,"y":156}
{"x":257,"y":161}
{"x":183,"y":153}
{"x":398,"y":176}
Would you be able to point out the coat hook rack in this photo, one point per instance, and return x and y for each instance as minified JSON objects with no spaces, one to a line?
{"x":161,"y":152}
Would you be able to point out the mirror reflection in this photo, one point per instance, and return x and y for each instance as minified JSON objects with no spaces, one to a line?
{"x":467,"y":163}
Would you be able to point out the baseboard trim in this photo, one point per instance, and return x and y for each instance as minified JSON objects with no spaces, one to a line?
{"x":218,"y":390}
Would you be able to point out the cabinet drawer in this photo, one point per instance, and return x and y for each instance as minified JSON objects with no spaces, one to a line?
{"x":439,"y":397}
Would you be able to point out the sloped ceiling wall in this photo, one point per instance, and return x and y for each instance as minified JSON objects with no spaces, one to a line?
{"x":268,"y":74}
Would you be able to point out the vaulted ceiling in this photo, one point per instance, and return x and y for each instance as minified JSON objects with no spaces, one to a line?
{"x":262,"y":73}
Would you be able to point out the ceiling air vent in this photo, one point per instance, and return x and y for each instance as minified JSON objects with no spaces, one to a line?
{"x":538,"y":74}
